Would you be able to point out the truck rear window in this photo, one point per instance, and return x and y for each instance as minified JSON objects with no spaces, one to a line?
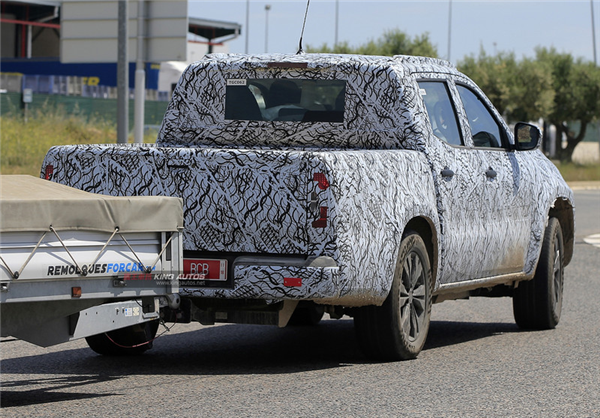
{"x":285,"y":100}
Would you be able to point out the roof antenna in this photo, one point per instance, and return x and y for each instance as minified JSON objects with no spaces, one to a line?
{"x":300,"y":51}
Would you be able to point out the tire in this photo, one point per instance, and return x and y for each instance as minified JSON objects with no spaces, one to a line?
{"x":127,"y":340}
{"x":397,"y":330}
{"x":537,"y":303}
{"x":307,"y":315}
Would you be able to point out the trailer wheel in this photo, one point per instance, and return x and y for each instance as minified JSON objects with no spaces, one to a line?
{"x":537,"y":303}
{"x":125,"y":341}
{"x":397,"y":330}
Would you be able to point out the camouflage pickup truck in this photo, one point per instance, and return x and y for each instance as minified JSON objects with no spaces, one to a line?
{"x":356,"y":185}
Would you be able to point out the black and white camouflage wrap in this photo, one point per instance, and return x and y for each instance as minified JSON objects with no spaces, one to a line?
{"x":248,"y":186}
{"x":376,"y":116}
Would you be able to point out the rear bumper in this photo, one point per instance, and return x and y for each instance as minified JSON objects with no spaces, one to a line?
{"x":316,"y":279}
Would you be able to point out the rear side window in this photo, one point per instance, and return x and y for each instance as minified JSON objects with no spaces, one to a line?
{"x":442,"y":116}
{"x":285,"y":100}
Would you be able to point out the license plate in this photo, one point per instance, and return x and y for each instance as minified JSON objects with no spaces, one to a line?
{"x":205,"y":269}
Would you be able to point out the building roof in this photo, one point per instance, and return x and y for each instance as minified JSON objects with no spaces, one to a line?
{"x":206,"y":28}
{"x":212,"y":29}
{"x":37,"y":2}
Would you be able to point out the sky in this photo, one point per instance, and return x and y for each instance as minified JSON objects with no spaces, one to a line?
{"x":495,"y":26}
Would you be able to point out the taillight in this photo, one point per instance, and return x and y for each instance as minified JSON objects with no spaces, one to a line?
{"x":323,"y":184}
{"x":322,"y":221}
{"x":49,"y":170}
{"x":321,"y":180}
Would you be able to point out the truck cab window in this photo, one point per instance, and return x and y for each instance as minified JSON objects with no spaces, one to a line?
{"x":297,"y":100}
{"x":485,"y":130}
{"x":442,"y":116}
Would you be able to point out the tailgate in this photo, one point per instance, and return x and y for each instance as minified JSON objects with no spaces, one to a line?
{"x":241,"y":201}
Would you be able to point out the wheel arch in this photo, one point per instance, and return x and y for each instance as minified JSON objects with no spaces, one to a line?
{"x":426,"y":229}
{"x":563,"y":210}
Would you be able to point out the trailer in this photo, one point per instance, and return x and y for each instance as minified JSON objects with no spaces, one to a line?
{"x":75,"y":264}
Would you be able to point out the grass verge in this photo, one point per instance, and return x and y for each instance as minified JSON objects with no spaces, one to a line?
{"x":24,"y":145}
{"x":579,"y":172}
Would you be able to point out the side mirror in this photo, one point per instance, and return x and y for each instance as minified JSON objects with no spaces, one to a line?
{"x":527,"y":136}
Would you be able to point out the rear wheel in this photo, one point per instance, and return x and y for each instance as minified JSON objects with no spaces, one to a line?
{"x":397,"y":330}
{"x":125,"y":341}
{"x":537,"y":303}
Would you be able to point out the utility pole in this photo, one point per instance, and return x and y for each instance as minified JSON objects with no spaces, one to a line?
{"x":595,"y":63}
{"x":337,"y":17}
{"x":140,"y":77}
{"x":247,"y":24}
{"x":267,"y":8}
{"x":449,"y":28}
{"x":593,"y":33}
{"x":123,"y":74}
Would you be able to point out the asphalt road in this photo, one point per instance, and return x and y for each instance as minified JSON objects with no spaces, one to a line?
{"x":476,"y":362}
{"x":587,"y":212}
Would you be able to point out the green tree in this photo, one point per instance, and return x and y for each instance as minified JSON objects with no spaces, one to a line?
{"x":532,"y":93}
{"x":393,"y":42}
{"x":493,"y":75}
{"x":577,"y":97}
{"x":520,"y":90}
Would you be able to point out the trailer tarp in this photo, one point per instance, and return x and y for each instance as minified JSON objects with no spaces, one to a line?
{"x":28,"y":203}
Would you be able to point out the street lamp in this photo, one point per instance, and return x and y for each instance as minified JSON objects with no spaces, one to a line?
{"x":247,"y":24}
{"x":267,"y":8}
{"x":593,"y":33}
{"x":449,"y":28}
{"x":337,"y":15}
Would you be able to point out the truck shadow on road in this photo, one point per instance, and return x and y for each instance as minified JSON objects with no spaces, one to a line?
{"x":28,"y":392}
{"x":449,"y":333}
{"x":243,"y":349}
{"x":209,"y":351}
{"x":249,"y":347}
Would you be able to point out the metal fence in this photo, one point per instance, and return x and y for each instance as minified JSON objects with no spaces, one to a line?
{"x":87,"y":107}
{"x":67,"y":86}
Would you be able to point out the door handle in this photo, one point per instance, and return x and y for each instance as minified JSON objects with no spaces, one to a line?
{"x":447,"y":173}
{"x":490,"y":173}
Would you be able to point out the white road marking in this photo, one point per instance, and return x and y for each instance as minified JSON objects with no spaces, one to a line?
{"x":593,"y":240}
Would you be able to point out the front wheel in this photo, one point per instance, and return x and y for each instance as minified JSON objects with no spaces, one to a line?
{"x":537,"y":303}
{"x":397,"y":330}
